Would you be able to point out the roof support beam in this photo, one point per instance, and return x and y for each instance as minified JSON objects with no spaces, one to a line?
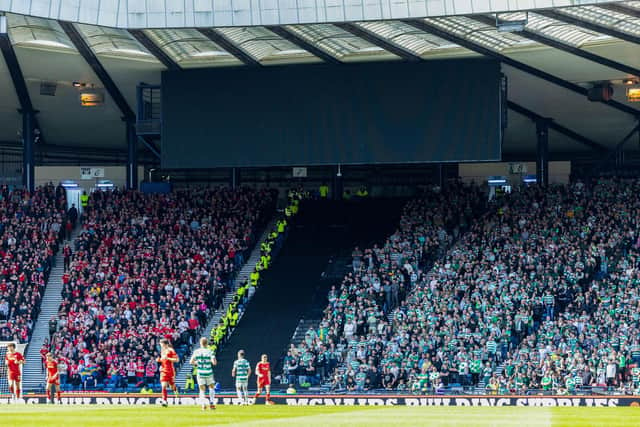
{"x":132,"y":156}
{"x":227,"y":45}
{"x":376,"y":40}
{"x":589,"y":25}
{"x":76,"y":38}
{"x":150,"y":146}
{"x":429,"y":28}
{"x":19,"y":82}
{"x":617,"y":150}
{"x":537,"y":118}
{"x":556,"y":44}
{"x":303,"y":44}
{"x":620,"y":8}
{"x":155,"y":50}
{"x":16,"y":73}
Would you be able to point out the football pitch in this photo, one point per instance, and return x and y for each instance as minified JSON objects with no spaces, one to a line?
{"x":314,"y":416}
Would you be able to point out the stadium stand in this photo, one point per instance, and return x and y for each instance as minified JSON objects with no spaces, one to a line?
{"x":31,"y":231}
{"x":537,"y":295}
{"x":146,"y":267}
{"x":355,"y":326}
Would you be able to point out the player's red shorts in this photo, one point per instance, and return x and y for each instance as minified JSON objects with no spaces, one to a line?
{"x":13,"y":376}
{"x":168,"y":378}
{"x":54,"y":382}
{"x":263,"y":382}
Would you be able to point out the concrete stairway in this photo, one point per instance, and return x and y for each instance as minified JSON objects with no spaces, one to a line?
{"x":301,"y":330}
{"x":480,"y":387}
{"x":33,"y":378}
{"x":243,"y":276}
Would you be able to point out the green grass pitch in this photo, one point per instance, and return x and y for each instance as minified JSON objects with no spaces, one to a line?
{"x":314,"y":416}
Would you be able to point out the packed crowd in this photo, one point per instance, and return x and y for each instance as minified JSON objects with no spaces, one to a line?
{"x":146,"y":267}
{"x":541,"y":292}
{"x":356,"y":317}
{"x":31,"y":228}
{"x":594,"y":341}
{"x":517,"y":267}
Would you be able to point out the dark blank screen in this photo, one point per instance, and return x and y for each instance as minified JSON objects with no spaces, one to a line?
{"x":433,"y":111}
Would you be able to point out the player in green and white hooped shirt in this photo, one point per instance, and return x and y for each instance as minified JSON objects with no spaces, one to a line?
{"x":241,"y":371}
{"x":204,"y":360}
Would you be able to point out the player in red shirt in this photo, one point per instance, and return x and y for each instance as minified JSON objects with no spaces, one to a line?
{"x":53,"y":379}
{"x":168,"y":357}
{"x":263,"y":372}
{"x":13,"y":360}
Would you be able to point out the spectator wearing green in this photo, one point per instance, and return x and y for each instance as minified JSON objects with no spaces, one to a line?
{"x":324,"y":191}
{"x":546,"y":382}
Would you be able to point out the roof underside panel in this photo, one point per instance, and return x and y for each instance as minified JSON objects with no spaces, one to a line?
{"x":27,"y":31}
{"x":340,"y":43}
{"x":484,"y":35}
{"x":265,"y":46}
{"x":557,"y":30}
{"x":190,"y":49}
{"x":114,"y":42}
{"x":608,"y":18}
{"x":63,"y":119}
{"x":410,"y":38}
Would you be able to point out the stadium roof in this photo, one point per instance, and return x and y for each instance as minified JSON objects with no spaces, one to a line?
{"x":560,"y":54}
{"x":231,"y":13}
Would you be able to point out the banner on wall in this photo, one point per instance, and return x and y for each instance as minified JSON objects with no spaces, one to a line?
{"x":352,"y":400}
{"x":91,"y":173}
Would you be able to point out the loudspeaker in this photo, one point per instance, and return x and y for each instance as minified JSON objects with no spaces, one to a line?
{"x":600,"y":92}
{"x":48,"y":88}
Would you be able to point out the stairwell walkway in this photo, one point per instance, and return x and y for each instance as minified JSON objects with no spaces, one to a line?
{"x":301,"y":330}
{"x":242,"y":277}
{"x":33,"y":378}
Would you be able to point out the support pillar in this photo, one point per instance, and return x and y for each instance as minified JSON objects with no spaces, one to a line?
{"x":132,"y":155}
{"x":338,"y":184}
{"x":542,"y":153}
{"x":235,"y":178}
{"x":28,"y":149}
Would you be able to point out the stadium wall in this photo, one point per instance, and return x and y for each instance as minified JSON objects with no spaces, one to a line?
{"x":479,"y":172}
{"x":350,"y":400}
{"x":55,"y":174}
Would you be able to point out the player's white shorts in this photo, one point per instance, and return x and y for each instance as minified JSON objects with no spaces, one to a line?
{"x":242,"y":384}
{"x":206,"y":380}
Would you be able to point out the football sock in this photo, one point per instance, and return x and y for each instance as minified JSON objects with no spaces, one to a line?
{"x":164,"y":393}
{"x":212,"y":396}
